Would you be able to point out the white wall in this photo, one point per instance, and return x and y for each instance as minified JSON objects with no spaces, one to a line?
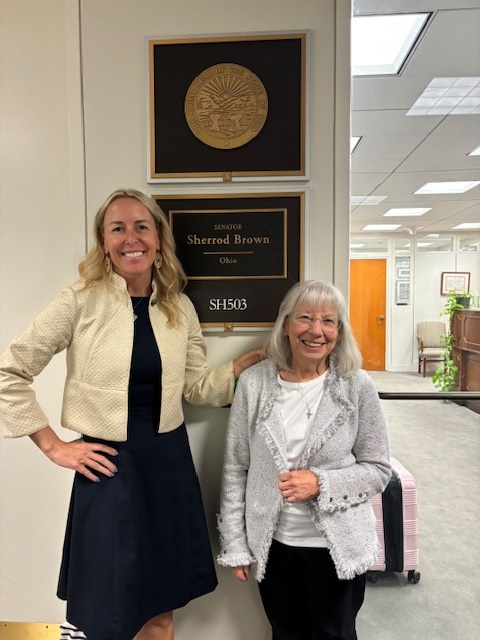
{"x":426,"y":302}
{"x":49,"y":197}
{"x":41,"y":212}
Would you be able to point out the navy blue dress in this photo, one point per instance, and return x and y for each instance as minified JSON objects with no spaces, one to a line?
{"x":136,"y":545}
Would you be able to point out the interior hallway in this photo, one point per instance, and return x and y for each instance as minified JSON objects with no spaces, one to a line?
{"x":440,"y":444}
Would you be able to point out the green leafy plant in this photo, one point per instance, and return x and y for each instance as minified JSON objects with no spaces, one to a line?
{"x":444,"y":376}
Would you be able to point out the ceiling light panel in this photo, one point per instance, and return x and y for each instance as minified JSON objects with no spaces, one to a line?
{"x":366,"y":201}
{"x":381,"y":43}
{"x":406,"y":212}
{"x":451,"y":95}
{"x":446,"y":187}
{"x":381,"y":227}
{"x":474,"y":152}
{"x":468,"y":225}
{"x":354,"y":140}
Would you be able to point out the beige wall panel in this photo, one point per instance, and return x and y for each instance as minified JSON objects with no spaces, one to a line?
{"x":41,"y":230}
{"x":115,"y":78}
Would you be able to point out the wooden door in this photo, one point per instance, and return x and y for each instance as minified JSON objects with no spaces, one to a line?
{"x":368,"y":309}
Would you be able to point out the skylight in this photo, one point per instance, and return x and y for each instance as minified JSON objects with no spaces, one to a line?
{"x":446,"y":187}
{"x":452,"y":95}
{"x":381,"y":43}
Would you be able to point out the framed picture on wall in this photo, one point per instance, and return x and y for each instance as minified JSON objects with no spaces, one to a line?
{"x":241,"y":252}
{"x":454,"y":281}
{"x":227,"y":108}
{"x":402,"y":292}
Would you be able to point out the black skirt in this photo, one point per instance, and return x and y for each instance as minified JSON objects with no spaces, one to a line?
{"x":137,"y":545}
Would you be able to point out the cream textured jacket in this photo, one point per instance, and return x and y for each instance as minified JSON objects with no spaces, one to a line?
{"x":95,"y":326}
{"x":347,"y":449}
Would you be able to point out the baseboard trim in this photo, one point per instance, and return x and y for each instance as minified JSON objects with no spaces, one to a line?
{"x":29,"y":631}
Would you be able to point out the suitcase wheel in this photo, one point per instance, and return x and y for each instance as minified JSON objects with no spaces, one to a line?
{"x":414,"y":576}
{"x":372,"y":576}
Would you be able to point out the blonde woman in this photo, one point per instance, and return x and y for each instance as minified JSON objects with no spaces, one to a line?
{"x":136,"y":545}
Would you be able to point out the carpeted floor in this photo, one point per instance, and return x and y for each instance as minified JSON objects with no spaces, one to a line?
{"x":440,"y":444}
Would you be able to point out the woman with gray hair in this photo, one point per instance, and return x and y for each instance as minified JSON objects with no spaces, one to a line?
{"x":306,"y":449}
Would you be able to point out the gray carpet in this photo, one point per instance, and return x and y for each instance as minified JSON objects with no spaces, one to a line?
{"x":440,"y":444}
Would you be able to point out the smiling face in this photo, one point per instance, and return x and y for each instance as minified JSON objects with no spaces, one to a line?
{"x":131,"y":239}
{"x":311,"y":342}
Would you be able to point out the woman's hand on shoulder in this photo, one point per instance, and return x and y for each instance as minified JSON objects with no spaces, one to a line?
{"x":301,"y":484}
{"x":247,"y":359}
{"x":82,"y":457}
{"x":241,"y":573}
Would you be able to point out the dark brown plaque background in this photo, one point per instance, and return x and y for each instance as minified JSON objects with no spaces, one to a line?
{"x":279,"y":149}
{"x":221,"y":244}
{"x":262,"y":295}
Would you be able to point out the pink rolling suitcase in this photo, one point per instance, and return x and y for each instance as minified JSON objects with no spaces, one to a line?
{"x":397,"y":525}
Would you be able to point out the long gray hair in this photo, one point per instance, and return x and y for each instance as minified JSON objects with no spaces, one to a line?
{"x":345,"y":359}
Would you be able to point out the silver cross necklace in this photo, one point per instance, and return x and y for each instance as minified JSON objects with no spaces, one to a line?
{"x":309,"y":408}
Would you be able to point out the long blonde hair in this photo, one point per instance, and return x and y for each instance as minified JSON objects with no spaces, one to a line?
{"x":170,"y":279}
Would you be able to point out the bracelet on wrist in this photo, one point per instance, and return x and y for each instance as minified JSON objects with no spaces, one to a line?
{"x":242,"y":368}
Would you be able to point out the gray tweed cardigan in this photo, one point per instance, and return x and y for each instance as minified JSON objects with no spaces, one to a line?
{"x":347,"y":449}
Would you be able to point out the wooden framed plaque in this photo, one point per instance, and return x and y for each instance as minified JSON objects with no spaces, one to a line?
{"x":241,"y":253}
{"x":227,"y":108}
{"x":454,"y":281}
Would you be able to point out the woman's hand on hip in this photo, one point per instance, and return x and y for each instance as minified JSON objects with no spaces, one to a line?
{"x":83,"y":457}
{"x":298,"y":485}
{"x":241,"y":573}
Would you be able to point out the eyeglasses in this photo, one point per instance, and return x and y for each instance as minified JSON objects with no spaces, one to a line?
{"x":308,"y":320}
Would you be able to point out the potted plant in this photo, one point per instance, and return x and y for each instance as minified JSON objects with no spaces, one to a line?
{"x":462,"y":298}
{"x":444,"y":376}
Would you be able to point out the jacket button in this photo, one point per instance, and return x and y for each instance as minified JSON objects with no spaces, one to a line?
{"x":345,"y":497}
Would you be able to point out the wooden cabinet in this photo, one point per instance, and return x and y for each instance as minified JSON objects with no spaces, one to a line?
{"x":466,"y":352}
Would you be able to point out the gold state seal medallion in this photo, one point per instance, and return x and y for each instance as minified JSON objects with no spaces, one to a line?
{"x":226,"y":106}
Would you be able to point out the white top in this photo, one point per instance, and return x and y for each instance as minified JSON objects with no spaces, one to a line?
{"x":297,"y":399}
